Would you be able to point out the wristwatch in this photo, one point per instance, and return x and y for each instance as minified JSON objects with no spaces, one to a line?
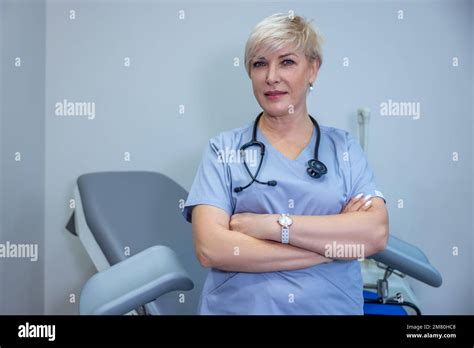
{"x":285,"y":222}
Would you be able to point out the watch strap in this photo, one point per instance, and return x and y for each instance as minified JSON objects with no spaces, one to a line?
{"x":285,"y":235}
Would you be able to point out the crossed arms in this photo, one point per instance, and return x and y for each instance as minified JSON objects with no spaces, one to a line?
{"x":249,"y":242}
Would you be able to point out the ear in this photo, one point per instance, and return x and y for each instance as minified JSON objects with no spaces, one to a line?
{"x":314,"y":68}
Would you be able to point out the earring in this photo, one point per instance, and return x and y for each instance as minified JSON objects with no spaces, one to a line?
{"x":310,"y":86}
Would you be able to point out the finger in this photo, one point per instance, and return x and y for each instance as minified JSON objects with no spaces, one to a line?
{"x":362,"y":201}
{"x":366,"y":205}
{"x":351,"y":203}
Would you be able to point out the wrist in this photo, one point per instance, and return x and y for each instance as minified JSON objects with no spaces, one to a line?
{"x":274,"y":228}
{"x":285,"y":221}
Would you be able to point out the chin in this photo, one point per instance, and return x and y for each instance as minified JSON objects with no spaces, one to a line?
{"x":276,"y":110}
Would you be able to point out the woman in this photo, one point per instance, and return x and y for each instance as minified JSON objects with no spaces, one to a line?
{"x":263,"y":262}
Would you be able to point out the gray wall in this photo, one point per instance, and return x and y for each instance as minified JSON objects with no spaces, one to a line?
{"x":472,"y":152}
{"x":190,"y":62}
{"x":22,"y":32}
{"x":2,"y":264}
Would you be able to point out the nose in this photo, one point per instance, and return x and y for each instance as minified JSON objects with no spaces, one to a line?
{"x":272,"y":75}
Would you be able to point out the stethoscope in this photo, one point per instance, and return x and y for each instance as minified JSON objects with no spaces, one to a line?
{"x":315,"y":169}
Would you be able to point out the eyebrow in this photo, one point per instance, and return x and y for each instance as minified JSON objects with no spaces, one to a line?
{"x":283,"y":55}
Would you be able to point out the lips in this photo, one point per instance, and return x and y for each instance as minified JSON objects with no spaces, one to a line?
{"x":274,"y":93}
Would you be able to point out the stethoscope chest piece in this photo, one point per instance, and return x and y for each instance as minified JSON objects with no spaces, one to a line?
{"x":316,"y":168}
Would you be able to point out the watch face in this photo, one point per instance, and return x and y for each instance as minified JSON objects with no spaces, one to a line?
{"x":285,"y":220}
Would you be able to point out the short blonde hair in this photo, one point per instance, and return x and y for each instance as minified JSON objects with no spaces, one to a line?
{"x":280,"y":30}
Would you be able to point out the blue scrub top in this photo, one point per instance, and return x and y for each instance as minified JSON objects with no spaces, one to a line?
{"x":331,"y":288}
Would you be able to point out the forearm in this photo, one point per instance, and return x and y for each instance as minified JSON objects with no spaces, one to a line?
{"x":233,"y":251}
{"x":358,"y":234}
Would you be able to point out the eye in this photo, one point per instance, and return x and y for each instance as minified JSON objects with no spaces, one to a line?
{"x":288,"y":62}
{"x":258,"y":64}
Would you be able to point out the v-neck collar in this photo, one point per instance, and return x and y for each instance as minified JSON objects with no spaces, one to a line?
{"x":302,"y":156}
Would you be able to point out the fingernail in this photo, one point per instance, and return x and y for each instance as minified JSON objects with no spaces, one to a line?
{"x":358,"y":196}
{"x":367,"y":203}
{"x":367,"y":197}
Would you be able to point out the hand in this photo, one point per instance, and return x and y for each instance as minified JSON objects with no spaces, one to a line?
{"x":358,"y":203}
{"x":256,"y":225}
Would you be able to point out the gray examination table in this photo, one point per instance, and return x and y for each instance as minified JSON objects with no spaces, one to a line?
{"x":131,"y":226}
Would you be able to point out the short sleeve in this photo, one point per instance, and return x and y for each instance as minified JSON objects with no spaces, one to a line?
{"x":361,"y":175}
{"x":212,"y":183}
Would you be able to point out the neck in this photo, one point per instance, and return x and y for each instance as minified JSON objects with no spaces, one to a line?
{"x":297,"y":124}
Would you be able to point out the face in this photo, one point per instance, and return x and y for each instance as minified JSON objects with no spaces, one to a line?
{"x":280,"y":81}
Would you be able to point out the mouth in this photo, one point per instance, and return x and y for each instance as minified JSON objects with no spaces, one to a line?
{"x":272,"y":95}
